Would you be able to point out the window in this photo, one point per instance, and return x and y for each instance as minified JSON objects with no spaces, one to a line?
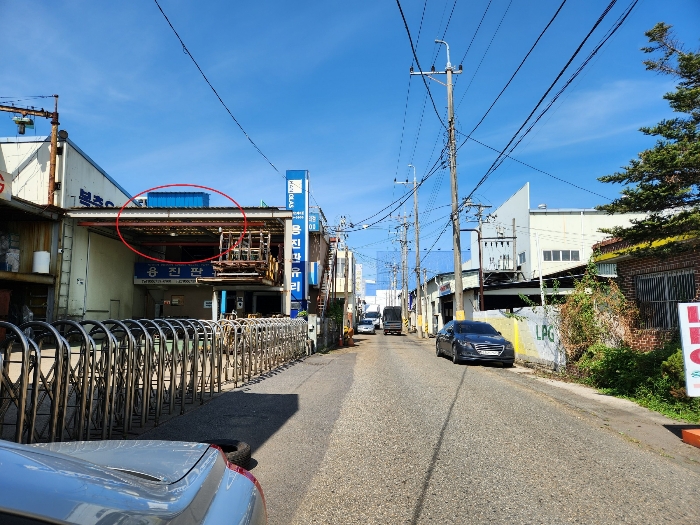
{"x":559,"y":255}
{"x":658,"y":295}
{"x":521,"y":258}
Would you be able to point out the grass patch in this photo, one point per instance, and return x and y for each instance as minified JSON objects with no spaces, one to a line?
{"x":654,"y":380}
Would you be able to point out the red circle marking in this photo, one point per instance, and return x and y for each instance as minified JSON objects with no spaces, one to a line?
{"x":240,"y":238}
{"x":695,"y":356}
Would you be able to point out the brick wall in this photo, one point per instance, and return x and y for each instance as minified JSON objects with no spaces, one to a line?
{"x":628,"y":269}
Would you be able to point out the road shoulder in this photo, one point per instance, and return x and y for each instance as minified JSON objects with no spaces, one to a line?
{"x":626,"y":419}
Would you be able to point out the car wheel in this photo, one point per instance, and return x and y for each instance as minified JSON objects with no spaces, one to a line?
{"x":237,"y":452}
{"x":455,"y":359}
{"x":437,"y":350}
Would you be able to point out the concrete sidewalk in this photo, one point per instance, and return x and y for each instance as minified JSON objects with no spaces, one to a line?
{"x":636,"y":424}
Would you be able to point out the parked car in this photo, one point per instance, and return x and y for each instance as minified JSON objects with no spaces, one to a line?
{"x":366,"y":326}
{"x":473,"y":341}
{"x":375,"y":316}
{"x":120,"y":482}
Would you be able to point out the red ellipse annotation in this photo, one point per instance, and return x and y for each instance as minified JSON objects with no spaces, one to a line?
{"x":240,"y":238}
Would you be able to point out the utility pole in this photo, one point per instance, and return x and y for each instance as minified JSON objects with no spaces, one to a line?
{"x":416,"y":229}
{"x":347,"y":271}
{"x":404,"y":271}
{"x":425,"y":294}
{"x":419,"y":309}
{"x":456,"y":244}
{"x":23,"y":121}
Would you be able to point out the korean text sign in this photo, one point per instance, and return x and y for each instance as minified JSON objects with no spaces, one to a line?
{"x":689,"y":321}
{"x":163,"y":273}
{"x":298,"y":203}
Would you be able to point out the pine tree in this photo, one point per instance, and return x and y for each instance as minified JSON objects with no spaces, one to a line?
{"x":664,"y":181}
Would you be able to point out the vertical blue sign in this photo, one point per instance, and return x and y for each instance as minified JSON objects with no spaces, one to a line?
{"x":298,"y":203}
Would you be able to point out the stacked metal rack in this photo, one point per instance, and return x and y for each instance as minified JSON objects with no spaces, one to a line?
{"x":85,"y":380}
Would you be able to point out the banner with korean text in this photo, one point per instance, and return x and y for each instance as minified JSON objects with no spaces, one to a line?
{"x":689,"y":321}
{"x":298,"y":203}
{"x":166,"y":273}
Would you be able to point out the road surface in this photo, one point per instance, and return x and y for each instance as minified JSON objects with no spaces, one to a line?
{"x":386,"y":432}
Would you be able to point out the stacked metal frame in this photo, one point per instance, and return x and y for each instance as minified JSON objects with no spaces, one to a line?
{"x":86,"y":380}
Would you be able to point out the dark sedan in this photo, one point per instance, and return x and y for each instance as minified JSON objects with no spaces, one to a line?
{"x":473,"y":341}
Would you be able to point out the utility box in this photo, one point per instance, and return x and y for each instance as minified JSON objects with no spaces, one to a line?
{"x":178,"y":199}
{"x":313,"y":329}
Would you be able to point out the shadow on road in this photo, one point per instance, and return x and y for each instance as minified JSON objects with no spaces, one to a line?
{"x":676,"y":429}
{"x":241,"y":415}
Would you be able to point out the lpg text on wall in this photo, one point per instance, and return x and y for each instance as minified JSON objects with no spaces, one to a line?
{"x":298,"y":203}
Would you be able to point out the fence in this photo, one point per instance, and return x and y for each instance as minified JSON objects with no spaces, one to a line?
{"x":532,"y":331}
{"x":98,"y":380}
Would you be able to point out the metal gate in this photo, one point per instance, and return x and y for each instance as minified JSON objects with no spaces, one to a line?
{"x":658,"y":295}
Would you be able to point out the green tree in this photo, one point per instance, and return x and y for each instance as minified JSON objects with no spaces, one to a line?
{"x":664,"y":181}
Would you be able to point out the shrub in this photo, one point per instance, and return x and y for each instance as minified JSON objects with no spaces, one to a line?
{"x":653,"y":379}
{"x":596,"y":314}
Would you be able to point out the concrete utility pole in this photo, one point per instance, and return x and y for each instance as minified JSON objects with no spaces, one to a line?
{"x":425,"y":294}
{"x":404,"y":271}
{"x":54,"y":138}
{"x":419,"y":308}
{"x":345,"y":305}
{"x":456,"y":244}
{"x":419,"y":314}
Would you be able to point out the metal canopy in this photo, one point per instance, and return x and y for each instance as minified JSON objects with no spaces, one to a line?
{"x":182,"y":226}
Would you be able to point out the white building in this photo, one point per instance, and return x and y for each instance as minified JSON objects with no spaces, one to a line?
{"x":541,"y":240}
{"x":92,"y":274}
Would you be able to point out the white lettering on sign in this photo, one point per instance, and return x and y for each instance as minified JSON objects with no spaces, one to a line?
{"x":689,"y":321}
{"x":294,"y":186}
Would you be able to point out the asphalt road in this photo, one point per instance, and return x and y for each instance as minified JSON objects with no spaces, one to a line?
{"x":385,"y":432}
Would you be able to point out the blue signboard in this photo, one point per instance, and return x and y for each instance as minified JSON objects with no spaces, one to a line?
{"x":164,"y":273}
{"x":298,"y":203}
{"x":314,"y":222}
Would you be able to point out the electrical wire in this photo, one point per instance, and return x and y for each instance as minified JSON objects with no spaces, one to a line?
{"x":496,"y":163}
{"x":187,"y":52}
{"x":415,"y":57}
{"x":540,"y":171}
{"x":476,"y":32}
{"x":527,"y":55}
{"x":485,"y":52}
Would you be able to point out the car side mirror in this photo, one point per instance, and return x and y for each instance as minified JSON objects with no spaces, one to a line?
{"x":449,"y":330}
{"x":499,"y":333}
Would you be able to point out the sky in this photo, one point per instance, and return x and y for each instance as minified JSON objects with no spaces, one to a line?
{"x":325,"y":86}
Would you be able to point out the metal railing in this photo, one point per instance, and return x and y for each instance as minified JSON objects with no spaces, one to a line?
{"x":88,"y":380}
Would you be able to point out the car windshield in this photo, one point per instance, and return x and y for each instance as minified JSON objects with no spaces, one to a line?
{"x":475,"y":328}
{"x":372,"y":315}
{"x":367,"y":321}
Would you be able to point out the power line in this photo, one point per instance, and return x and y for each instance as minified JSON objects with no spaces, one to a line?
{"x":495,"y":163}
{"x":476,"y":32}
{"x":532,"y":48}
{"x":187,"y":52}
{"x":485,"y":52}
{"x":415,"y":57}
{"x":539,"y":170}
{"x":502,"y":154}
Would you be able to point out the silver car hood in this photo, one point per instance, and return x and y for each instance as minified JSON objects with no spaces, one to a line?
{"x":169,"y":461}
{"x":63,"y":483}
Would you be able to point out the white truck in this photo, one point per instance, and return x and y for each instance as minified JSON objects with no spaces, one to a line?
{"x":372,"y":311}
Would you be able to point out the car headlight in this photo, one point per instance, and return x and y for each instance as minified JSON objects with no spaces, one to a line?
{"x":509,"y":346}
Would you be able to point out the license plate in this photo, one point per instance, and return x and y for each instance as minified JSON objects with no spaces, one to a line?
{"x":489,"y":352}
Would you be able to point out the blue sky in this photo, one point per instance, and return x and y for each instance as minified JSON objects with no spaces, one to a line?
{"x":323,"y":86}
